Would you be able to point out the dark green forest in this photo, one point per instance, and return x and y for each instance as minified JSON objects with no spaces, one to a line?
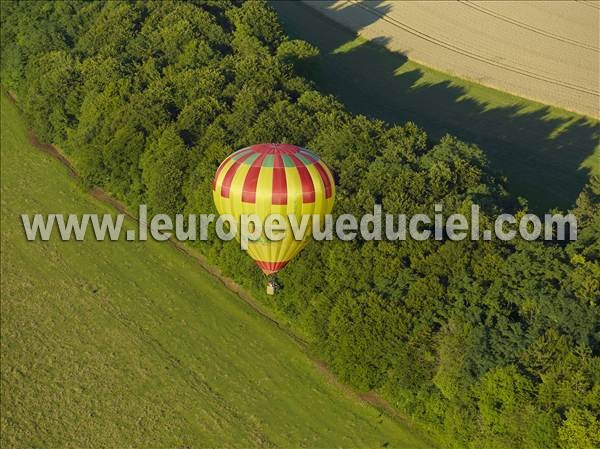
{"x":484,"y":344}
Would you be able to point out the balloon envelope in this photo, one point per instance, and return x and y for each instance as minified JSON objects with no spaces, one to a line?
{"x":273,"y":178}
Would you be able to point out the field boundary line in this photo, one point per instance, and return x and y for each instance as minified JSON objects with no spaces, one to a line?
{"x":105,"y":197}
{"x":371,"y":398}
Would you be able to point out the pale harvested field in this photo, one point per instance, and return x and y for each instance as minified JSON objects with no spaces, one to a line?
{"x":542,"y":50}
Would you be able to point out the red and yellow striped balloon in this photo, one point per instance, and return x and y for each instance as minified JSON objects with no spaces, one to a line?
{"x":273,"y":178}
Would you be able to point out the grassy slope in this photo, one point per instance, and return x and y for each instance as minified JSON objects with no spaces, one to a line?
{"x":121,"y":344}
{"x":545,"y":152}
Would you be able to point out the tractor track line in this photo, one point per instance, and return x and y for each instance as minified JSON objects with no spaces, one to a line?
{"x":489,"y":12}
{"x":590,"y":4}
{"x":396,"y":23}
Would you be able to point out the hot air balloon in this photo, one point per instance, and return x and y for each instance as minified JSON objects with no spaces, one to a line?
{"x":274,"y":178}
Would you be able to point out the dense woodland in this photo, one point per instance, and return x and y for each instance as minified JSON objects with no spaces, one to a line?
{"x":484,"y":344}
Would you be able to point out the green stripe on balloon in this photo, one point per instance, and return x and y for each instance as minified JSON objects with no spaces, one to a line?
{"x":268,"y":161}
{"x":303,"y":159}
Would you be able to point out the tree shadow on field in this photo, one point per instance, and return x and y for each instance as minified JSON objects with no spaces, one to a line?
{"x":545,"y":153}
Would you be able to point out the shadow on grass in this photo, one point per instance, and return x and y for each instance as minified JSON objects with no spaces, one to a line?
{"x":545,"y":153}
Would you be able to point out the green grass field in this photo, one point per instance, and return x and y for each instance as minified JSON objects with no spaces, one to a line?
{"x":123,"y":344}
{"x":546,"y":153}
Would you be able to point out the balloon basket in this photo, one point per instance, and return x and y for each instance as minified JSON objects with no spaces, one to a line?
{"x":271,"y":286}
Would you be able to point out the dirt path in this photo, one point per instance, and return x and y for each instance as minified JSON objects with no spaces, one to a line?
{"x":371,"y":398}
{"x":542,"y":50}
